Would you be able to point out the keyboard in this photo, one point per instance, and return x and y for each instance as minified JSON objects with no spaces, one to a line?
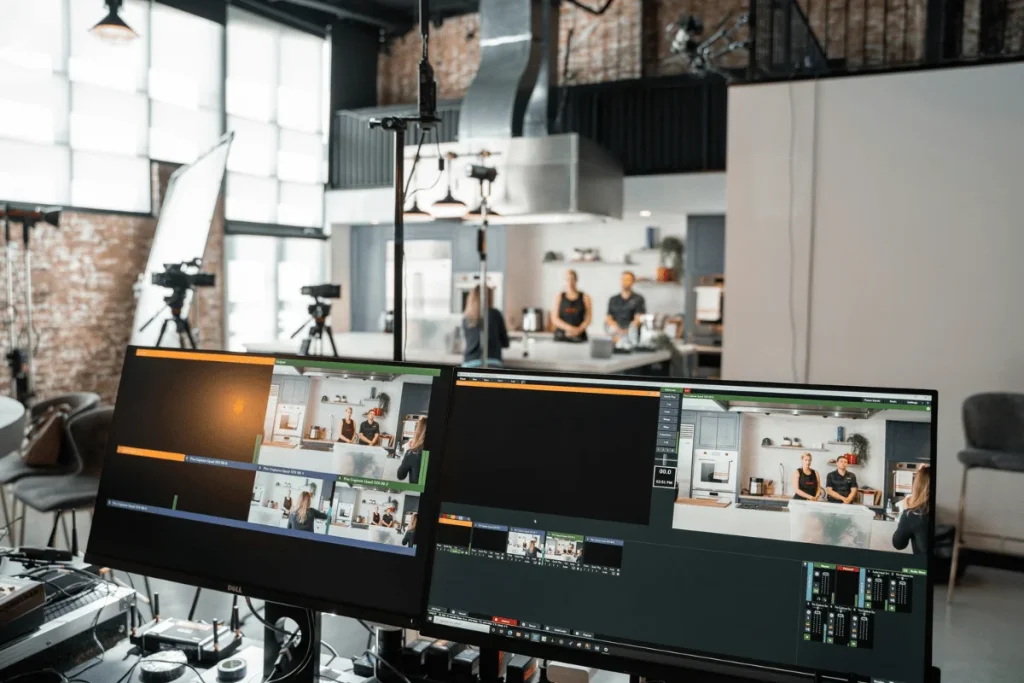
{"x":64,"y":605}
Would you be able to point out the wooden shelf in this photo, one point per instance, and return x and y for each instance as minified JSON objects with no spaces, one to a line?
{"x":798,"y":448}
{"x":840,"y":443}
{"x":339,"y":403}
{"x":572,"y":264}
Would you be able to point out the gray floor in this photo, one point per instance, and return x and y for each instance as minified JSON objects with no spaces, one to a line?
{"x":979,"y":638}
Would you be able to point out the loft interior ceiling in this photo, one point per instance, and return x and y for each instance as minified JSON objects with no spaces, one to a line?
{"x":393,"y":16}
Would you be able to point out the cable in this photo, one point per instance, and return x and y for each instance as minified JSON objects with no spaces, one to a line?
{"x":95,"y":638}
{"x":792,"y":239}
{"x":374,"y":655}
{"x":334,"y":653}
{"x":591,"y":10}
{"x":127,"y":676}
{"x":305,"y":659}
{"x":62,"y":677}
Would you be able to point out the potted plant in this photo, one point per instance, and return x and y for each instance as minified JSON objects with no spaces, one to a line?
{"x":671,"y":259}
{"x":859,"y":444}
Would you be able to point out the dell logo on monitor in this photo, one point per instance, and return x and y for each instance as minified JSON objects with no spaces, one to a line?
{"x":234,"y":589}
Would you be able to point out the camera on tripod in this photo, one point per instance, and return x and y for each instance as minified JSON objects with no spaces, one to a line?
{"x":322,"y":291}
{"x":175,"y":276}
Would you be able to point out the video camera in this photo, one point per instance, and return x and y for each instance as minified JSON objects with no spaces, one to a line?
{"x":175,"y":277}
{"x":326,"y":291}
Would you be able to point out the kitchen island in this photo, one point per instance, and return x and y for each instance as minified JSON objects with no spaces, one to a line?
{"x":773,"y":524}
{"x":545,"y":354}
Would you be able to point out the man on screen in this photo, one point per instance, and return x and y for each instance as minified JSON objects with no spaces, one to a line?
{"x":841,"y":485}
{"x":369,"y":431}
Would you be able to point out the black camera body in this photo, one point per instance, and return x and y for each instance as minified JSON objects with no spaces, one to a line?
{"x":326,"y":291}
{"x":174,"y":276}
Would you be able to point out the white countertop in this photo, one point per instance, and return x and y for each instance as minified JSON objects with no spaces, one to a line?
{"x":545,"y":354}
{"x":762,"y":524}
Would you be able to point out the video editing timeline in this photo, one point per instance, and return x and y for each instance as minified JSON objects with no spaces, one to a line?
{"x":518,"y":629}
{"x":841,"y":601}
{"x":572,"y":552}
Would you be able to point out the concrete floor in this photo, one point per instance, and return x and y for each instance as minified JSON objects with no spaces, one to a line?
{"x":977,"y":639}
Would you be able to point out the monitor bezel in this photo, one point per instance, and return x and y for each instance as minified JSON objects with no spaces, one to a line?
{"x":263,"y":592}
{"x":708,"y":662}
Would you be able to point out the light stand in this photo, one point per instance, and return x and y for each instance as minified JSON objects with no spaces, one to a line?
{"x":486,"y":176}
{"x":318,"y":312}
{"x":426,"y":117}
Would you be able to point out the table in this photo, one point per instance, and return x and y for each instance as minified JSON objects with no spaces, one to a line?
{"x":545,"y":354}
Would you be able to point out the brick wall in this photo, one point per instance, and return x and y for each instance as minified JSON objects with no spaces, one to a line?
{"x":630,"y":40}
{"x":83,"y":300}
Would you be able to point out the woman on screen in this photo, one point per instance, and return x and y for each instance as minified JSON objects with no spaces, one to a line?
{"x":410,"y":533}
{"x":913,"y":524}
{"x":413,"y":458}
{"x":375,"y":518}
{"x":806,"y":482}
{"x":347,"y":432}
{"x":305,"y":514}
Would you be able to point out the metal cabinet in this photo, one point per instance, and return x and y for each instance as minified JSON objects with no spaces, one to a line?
{"x":718,"y":432}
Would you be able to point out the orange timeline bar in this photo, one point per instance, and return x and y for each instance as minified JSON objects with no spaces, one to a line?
{"x":215,"y":357}
{"x":454,"y":522}
{"x":557,"y":387}
{"x":149,"y":453}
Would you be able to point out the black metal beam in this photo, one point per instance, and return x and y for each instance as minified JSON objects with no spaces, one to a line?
{"x":364,"y":11}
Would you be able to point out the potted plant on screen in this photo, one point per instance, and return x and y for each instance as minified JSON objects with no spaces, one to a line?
{"x":671,"y":269}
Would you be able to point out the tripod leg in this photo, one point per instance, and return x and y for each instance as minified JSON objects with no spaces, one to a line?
{"x":186,"y":330}
{"x":304,"y":348}
{"x":51,"y":542}
{"x":330,"y":338}
{"x":163,"y":329}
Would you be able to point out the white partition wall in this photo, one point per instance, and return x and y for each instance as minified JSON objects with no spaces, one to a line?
{"x":876,"y":229}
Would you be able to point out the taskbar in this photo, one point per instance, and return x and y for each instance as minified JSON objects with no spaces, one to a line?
{"x":587,"y":642}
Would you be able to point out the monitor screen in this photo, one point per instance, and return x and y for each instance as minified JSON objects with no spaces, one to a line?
{"x":296,"y":479}
{"x":635,"y":524}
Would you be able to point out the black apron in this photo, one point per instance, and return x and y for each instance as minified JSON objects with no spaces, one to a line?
{"x":808,"y":483}
{"x":573,"y":313}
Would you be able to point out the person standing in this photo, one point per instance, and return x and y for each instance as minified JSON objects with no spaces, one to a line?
{"x":472,"y":330}
{"x":572,"y":311}
{"x":625,"y":308}
{"x":410,"y":533}
{"x":806,"y":482}
{"x":913,"y":523}
{"x":369,"y":431}
{"x":305,"y":514}
{"x":347,"y":433}
{"x":412,"y":461}
{"x":841,"y":485}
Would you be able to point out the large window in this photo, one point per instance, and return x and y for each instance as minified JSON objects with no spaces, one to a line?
{"x":80,"y":118}
{"x":265,"y":276}
{"x":276,"y":105}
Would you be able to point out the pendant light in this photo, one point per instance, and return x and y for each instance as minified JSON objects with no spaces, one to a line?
{"x":112,"y":28}
{"x":416,"y":215}
{"x":449,"y":206}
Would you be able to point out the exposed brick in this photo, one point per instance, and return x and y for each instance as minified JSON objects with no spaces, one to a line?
{"x":83,"y":300}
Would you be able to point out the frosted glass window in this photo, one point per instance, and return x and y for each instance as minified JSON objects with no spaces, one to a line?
{"x":254,"y":149}
{"x":299,"y":157}
{"x":112,"y":65}
{"x":185,"y":63}
{"x":108,"y":181}
{"x":34,"y":173}
{"x":252,"y":67}
{"x":106,"y":120}
{"x":301,"y":205}
{"x":251,"y":198}
{"x":33,"y":105}
{"x":180,"y":135}
{"x":24,"y":26}
{"x":299,"y":91}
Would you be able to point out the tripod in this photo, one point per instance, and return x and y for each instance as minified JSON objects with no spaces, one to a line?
{"x":318,"y":312}
{"x":175,"y":302}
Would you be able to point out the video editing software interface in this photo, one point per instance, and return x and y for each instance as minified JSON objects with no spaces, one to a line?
{"x":658,"y":520}
{"x":296,"y":474}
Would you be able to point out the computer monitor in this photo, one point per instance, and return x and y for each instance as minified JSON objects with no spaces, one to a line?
{"x":301,"y":480}
{"x":640,"y":524}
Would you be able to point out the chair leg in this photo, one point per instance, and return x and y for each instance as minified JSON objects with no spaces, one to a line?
{"x":21,"y":524}
{"x":64,"y":528}
{"x":52,"y":541}
{"x":958,"y":537}
{"x":7,"y":516}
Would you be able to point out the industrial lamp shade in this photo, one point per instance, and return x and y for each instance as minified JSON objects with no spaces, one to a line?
{"x":477,"y":214}
{"x":416,"y":214}
{"x":112,"y":28}
{"x":449,"y":207}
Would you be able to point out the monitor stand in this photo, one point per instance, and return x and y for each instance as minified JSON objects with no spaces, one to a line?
{"x":290,"y":671}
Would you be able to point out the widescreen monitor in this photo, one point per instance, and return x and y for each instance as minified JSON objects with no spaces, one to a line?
{"x":301,"y":480}
{"x":640,"y":524}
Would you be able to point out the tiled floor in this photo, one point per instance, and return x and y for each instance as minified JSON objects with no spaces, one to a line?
{"x":979,"y":638}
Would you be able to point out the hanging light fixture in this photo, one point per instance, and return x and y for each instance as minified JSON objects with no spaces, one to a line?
{"x":112,"y":28}
{"x":449,"y":206}
{"x":477,"y":214}
{"x":416,"y":215}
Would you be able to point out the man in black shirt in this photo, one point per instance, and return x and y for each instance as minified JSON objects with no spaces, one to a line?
{"x":388,"y":519}
{"x":369,"y":431}
{"x":625,"y":308}
{"x":841,"y":485}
